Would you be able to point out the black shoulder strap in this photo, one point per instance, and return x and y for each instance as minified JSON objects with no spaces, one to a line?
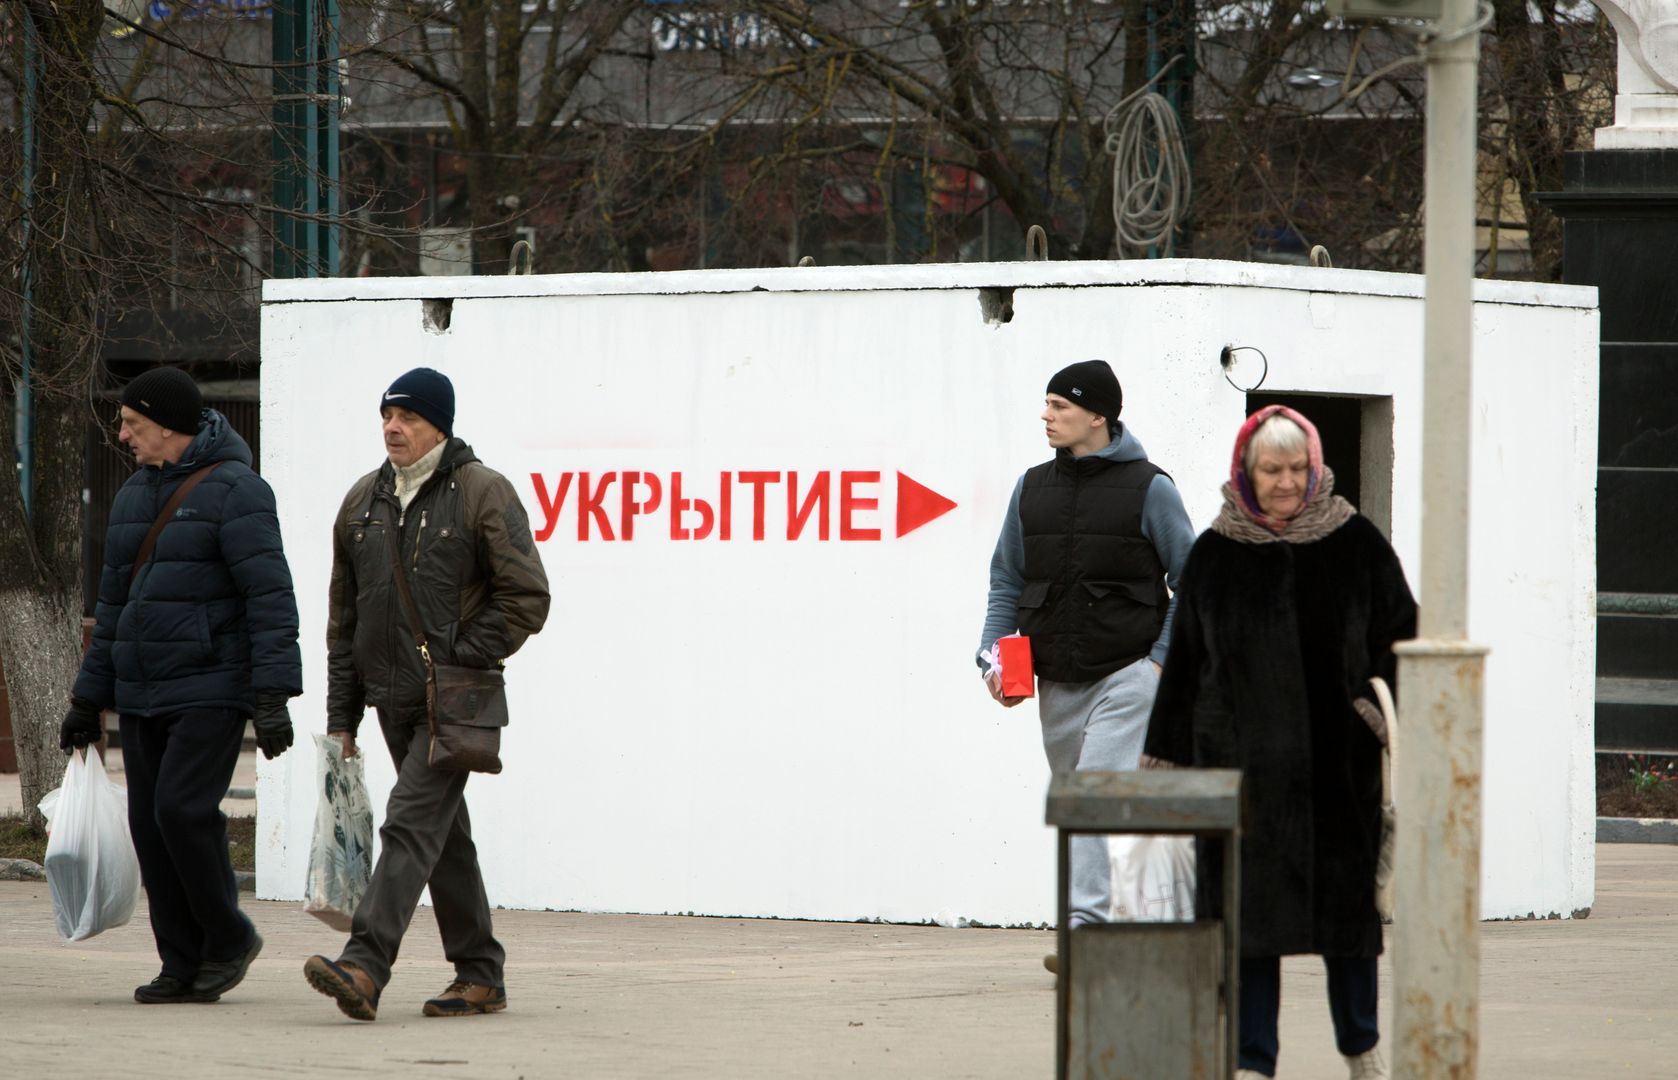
{"x":163,"y":518}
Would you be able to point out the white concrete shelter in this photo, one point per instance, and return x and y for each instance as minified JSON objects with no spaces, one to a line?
{"x":789,"y":721}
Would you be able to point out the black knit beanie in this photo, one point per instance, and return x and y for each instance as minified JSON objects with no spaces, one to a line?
{"x":427,"y":392}
{"x":167,"y":396}
{"x":1092,"y":385}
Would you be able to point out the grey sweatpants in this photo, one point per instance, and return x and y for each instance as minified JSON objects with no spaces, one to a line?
{"x":427,"y":839}
{"x":1098,"y":725}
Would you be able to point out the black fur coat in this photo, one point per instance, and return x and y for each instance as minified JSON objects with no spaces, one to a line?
{"x":1270,"y":645}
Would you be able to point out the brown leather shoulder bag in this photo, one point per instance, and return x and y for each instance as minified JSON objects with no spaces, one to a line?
{"x":465,"y":707}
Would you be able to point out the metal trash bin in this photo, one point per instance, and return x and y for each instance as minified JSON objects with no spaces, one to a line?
{"x":1149,"y":1000}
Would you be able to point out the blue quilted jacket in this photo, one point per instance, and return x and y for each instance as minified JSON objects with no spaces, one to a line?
{"x":211,"y":620}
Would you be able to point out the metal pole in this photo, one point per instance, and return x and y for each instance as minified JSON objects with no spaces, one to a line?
{"x":1436,"y":962}
{"x":1063,"y":950}
{"x":305,"y":147}
{"x":324,"y":144}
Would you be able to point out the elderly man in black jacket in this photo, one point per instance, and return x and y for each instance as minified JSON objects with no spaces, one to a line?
{"x":195,"y":632}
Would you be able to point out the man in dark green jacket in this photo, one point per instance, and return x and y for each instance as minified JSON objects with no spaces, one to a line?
{"x":472,"y":566}
{"x":188,"y":643}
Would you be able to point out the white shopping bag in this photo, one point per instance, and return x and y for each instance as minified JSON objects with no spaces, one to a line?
{"x":341,"y":853}
{"x":92,"y":871}
{"x":1386,"y":862}
{"x":1153,"y":878}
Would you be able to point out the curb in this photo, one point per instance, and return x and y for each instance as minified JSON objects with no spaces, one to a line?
{"x":1625,"y":830}
{"x":247,"y":880}
{"x":21,"y":870}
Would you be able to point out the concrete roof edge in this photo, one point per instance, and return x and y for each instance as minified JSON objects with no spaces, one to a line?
{"x":1012,"y":275}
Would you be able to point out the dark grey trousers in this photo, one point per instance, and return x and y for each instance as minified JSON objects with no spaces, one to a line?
{"x":426,"y":839}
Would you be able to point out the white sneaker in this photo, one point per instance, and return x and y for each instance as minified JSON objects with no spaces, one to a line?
{"x":1369,"y":1065}
{"x":1250,"y":1074}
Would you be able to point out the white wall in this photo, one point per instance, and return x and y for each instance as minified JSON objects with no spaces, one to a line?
{"x":797,"y":728}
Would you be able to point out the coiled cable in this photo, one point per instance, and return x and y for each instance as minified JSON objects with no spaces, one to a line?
{"x":1151,"y":182}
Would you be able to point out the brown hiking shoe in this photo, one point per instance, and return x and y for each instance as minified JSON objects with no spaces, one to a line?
{"x":351,"y":987}
{"x":466,"y":999}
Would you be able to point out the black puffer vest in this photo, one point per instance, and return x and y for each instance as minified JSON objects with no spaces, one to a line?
{"x":1094,"y":597}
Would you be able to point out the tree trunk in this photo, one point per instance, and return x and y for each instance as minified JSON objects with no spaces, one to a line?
{"x":40,"y":558}
{"x":1525,"y":52}
{"x":40,"y":643}
{"x":1100,"y":230}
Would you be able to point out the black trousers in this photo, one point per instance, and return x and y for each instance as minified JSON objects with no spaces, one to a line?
{"x":178,"y":768}
{"x":426,"y":839}
{"x":1351,"y":1005}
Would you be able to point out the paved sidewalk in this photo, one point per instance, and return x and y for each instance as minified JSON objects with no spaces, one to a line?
{"x":597,"y":996}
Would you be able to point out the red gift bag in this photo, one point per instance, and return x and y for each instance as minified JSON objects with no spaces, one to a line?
{"x":1014,"y":657}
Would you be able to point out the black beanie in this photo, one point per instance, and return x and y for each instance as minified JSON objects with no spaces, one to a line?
{"x":167,"y":396}
{"x":427,"y":392}
{"x":1092,"y":385}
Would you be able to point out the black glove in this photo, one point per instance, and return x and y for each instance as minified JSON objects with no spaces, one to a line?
{"x":82,"y":725}
{"x":272,"y":723}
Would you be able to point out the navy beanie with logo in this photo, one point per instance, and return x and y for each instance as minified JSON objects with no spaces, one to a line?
{"x":168,"y":397}
{"x":427,"y":392}
{"x":1092,"y":385}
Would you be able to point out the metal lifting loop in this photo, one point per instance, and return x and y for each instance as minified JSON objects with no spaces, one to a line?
{"x":529,"y":258}
{"x":1320,"y":257}
{"x":1036,"y":244}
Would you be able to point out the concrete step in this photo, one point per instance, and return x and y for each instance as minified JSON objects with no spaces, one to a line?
{"x":1637,"y":715}
{"x":1637,"y":645}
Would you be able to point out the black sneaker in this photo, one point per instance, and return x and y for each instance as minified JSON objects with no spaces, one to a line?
{"x":168,"y":990}
{"x":217,"y":977}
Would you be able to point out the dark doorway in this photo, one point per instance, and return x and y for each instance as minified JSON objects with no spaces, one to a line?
{"x":1339,"y":421}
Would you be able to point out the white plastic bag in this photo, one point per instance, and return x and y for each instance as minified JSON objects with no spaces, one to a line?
{"x":341,"y":853}
{"x":92,"y":871}
{"x":1386,"y":862}
{"x":1153,"y":878}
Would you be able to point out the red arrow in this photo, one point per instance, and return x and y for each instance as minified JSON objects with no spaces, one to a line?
{"x":918,"y":504}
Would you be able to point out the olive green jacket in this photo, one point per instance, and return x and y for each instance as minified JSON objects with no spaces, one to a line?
{"x":470,"y":561}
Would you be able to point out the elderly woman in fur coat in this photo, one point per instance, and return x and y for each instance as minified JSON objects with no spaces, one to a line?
{"x":1289,"y":604}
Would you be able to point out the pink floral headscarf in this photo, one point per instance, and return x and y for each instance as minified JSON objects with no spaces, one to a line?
{"x":1243,"y":484}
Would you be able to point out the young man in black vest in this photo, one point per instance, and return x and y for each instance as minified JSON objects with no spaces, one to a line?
{"x":1091,"y":541}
